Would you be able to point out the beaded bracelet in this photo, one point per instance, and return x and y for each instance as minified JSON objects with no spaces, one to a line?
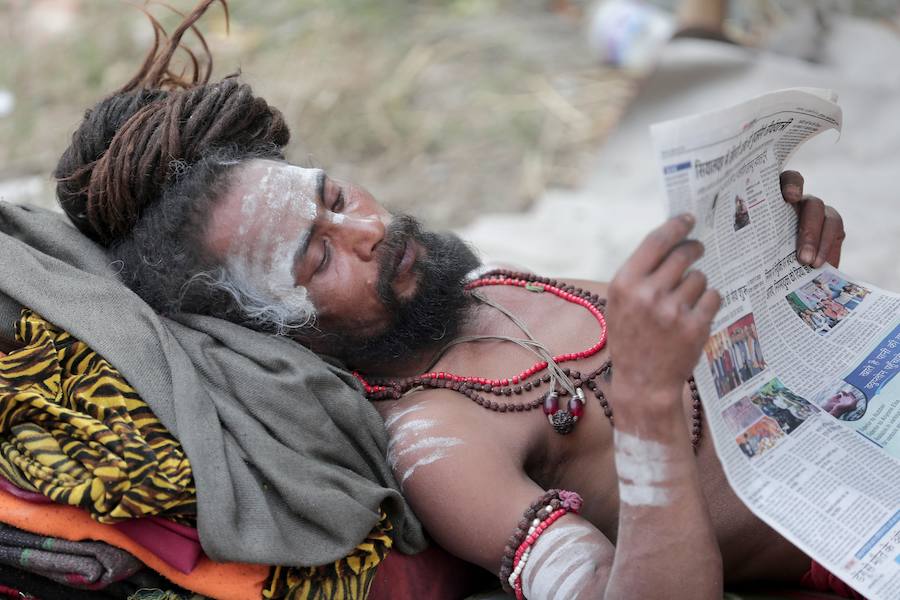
{"x":542,"y":513}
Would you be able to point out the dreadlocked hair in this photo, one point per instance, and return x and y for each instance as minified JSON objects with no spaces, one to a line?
{"x":145,"y":166}
{"x":121,"y":156}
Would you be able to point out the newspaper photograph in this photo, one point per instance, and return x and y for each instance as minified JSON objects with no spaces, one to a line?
{"x":798,"y":376}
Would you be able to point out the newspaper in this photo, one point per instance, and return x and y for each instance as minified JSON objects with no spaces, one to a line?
{"x":798,"y":377}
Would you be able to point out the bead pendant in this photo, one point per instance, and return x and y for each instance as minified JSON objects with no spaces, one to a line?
{"x":551,"y":403}
{"x":563,"y":422}
{"x":576,"y":404}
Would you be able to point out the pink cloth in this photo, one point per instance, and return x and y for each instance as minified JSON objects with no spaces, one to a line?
{"x":178,"y":545}
{"x":8,"y":486}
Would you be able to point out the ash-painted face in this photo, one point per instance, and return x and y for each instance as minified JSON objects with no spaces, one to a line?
{"x":305,"y":240}
{"x":266,"y":210}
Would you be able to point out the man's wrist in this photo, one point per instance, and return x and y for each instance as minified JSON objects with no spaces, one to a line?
{"x":644,"y":395}
{"x":651,"y":409}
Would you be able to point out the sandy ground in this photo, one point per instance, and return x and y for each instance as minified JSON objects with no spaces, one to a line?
{"x":590,"y":231}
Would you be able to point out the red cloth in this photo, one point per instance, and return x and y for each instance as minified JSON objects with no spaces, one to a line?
{"x":434,"y":574}
{"x":820,"y":579}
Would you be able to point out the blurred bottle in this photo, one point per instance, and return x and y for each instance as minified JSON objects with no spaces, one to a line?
{"x":628,"y":34}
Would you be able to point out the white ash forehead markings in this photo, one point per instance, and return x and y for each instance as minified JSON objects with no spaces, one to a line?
{"x":560,"y":562}
{"x":264,"y":180}
{"x":249,"y":203}
{"x":281,"y":189}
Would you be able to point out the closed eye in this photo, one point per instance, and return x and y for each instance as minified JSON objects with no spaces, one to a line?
{"x":338,"y":204}
{"x":326,"y":256}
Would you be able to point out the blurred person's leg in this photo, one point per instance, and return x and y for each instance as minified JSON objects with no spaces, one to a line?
{"x":631,"y":34}
{"x":702,"y":19}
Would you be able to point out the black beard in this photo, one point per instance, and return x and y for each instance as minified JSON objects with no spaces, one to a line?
{"x":436,"y":311}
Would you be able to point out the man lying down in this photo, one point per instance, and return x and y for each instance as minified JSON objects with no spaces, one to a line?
{"x":545,"y":430}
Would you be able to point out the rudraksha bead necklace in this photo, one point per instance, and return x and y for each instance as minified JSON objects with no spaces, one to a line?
{"x":562,"y":419}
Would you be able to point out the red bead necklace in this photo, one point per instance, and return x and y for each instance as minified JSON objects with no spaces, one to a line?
{"x":536,"y":367}
{"x":562,"y":419}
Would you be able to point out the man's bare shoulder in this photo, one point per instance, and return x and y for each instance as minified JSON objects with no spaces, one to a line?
{"x":449,"y":415}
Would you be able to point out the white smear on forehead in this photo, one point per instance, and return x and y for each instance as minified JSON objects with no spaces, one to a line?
{"x":293,"y":188}
{"x":561,"y":562}
{"x":643,"y":468}
{"x":286,"y":188}
{"x":249,"y":204}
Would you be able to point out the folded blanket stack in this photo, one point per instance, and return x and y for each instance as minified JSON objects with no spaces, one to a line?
{"x":82,"y":457}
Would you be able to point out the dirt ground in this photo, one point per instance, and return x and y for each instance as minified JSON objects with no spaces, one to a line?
{"x":444,"y":107}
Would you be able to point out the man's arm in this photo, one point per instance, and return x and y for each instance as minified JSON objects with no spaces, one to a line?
{"x":659,"y":316}
{"x":468,"y":487}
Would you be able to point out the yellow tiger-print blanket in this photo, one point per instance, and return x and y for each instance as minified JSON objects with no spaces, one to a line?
{"x":74,"y":430}
{"x":72,"y":427}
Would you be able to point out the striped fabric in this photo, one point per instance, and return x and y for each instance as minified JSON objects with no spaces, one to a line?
{"x":72,"y":427}
{"x":347,"y":579}
{"x":74,"y":430}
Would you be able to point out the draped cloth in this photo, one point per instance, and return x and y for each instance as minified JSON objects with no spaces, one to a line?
{"x":74,"y":429}
{"x":287,"y":456}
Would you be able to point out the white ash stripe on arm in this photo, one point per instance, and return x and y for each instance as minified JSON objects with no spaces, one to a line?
{"x":396,"y":416}
{"x":410,"y":446}
{"x":435,"y":453}
{"x":643,"y":468}
{"x":561,"y":562}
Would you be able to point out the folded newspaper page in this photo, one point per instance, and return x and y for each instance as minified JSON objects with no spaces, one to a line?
{"x":798,"y":377}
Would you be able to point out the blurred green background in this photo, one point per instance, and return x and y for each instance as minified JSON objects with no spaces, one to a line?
{"x":441,"y":107}
{"x":444,"y":108}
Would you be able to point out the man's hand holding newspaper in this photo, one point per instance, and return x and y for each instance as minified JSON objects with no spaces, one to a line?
{"x":798,"y":374}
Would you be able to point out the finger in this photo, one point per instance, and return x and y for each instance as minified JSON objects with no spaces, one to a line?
{"x":812,"y":217}
{"x":832,"y":239}
{"x":691,"y":288}
{"x":670,"y":273}
{"x":708,"y":305}
{"x":656,"y":246}
{"x":792,"y":187}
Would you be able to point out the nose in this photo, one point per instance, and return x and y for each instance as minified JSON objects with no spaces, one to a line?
{"x":359,"y":234}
